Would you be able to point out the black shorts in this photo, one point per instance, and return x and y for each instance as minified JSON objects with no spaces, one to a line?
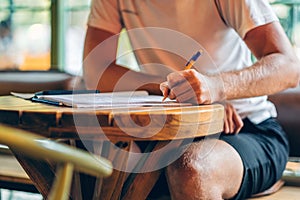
{"x":264,"y":150}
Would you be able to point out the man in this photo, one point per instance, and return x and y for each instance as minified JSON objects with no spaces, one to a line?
{"x":163,"y":35}
{"x":10,"y":57}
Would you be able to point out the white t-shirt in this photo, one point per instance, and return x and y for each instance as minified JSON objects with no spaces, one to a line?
{"x":165,"y":33}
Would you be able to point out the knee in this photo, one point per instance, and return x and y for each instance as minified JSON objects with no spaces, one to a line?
{"x":199,"y":172}
{"x":185,"y":166}
{"x":189,"y":177}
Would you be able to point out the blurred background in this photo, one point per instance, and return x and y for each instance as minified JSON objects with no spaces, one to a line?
{"x":43,"y":34}
{"x":49,"y":34}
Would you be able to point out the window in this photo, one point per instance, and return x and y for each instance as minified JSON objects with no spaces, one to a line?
{"x":25,"y":34}
{"x":43,"y":34}
{"x":76,"y":14}
{"x":288,"y":12}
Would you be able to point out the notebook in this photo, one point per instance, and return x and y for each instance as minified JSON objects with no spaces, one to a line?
{"x":106,"y":100}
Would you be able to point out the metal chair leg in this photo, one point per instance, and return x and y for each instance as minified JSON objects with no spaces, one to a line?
{"x":62,"y":183}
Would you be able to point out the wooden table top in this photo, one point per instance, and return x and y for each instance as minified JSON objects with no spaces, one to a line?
{"x":143,"y":123}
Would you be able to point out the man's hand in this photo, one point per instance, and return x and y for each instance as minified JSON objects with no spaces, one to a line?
{"x":192,"y":86}
{"x":232,"y":120}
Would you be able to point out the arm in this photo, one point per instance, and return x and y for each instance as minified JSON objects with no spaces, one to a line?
{"x":277,"y":69}
{"x":101,"y":72}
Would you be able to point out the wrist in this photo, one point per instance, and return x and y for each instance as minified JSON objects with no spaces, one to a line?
{"x":217,"y":88}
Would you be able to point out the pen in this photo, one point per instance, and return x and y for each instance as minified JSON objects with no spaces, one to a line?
{"x":188,"y":65}
{"x":193,"y":59}
{"x":55,"y":103}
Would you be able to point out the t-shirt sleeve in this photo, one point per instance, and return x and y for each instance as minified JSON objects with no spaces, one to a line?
{"x":104,"y":14}
{"x":244,"y":15}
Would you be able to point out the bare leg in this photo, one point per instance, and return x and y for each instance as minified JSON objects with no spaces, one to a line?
{"x":209,"y":169}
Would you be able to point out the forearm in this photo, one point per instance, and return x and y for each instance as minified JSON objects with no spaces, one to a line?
{"x":271,"y":74}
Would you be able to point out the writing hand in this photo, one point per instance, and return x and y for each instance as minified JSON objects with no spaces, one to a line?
{"x":193,"y":87}
{"x":164,"y":89}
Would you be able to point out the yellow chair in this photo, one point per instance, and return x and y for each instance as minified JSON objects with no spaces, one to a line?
{"x":68,"y":158}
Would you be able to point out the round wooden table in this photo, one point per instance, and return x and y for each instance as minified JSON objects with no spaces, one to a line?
{"x":108,"y":132}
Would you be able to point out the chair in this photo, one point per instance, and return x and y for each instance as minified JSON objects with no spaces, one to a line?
{"x":12,"y":175}
{"x":67,"y":158}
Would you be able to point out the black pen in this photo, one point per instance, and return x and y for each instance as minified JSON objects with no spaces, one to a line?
{"x":54,"y":103}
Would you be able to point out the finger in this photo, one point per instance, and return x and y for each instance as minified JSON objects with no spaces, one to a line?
{"x":237,"y":121}
{"x":174,"y":79}
{"x":184,"y":93}
{"x":164,"y":89}
{"x":226,"y":128}
{"x":182,"y":97}
{"x":225,"y":125}
{"x":166,"y":94}
{"x":196,"y":88}
{"x":163,"y":86}
{"x":187,"y":97}
{"x":229,"y":118}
